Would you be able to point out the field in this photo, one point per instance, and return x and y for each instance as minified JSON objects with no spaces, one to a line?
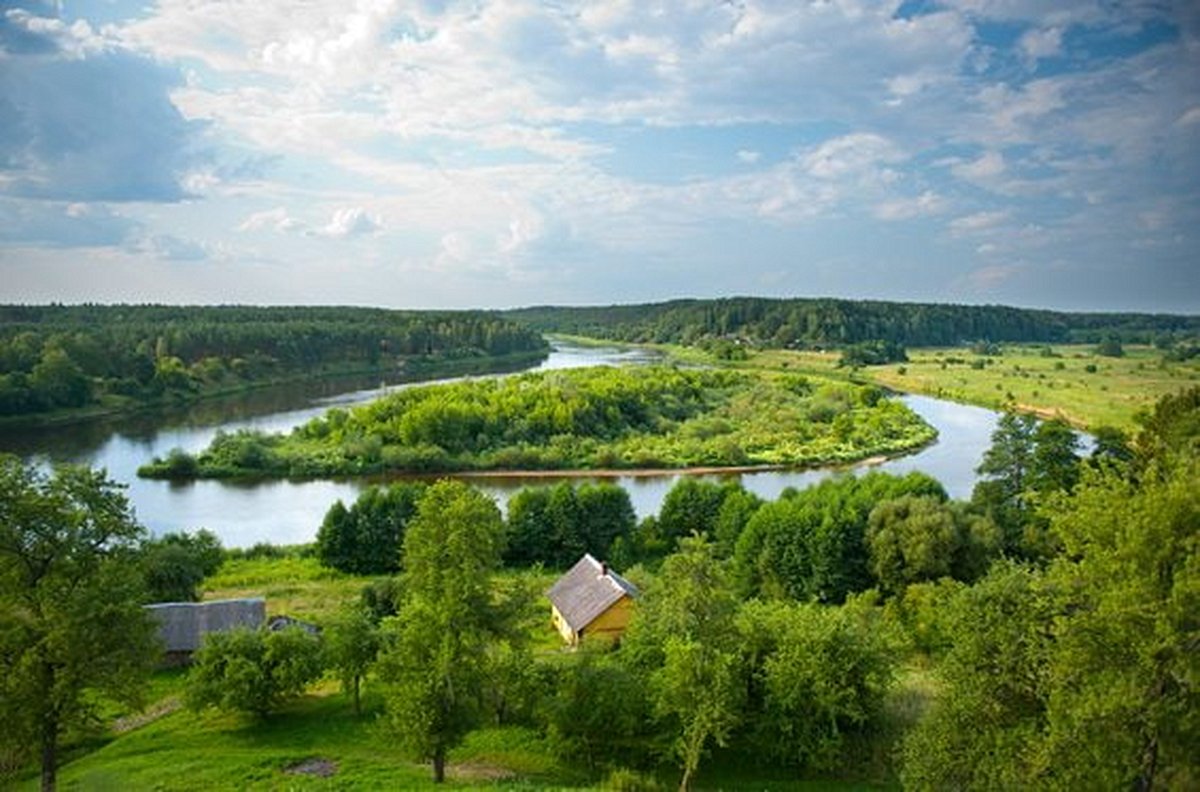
{"x":1067,"y":381}
{"x":166,"y":747}
{"x":1071,"y":382}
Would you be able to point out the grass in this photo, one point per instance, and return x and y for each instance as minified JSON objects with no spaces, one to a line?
{"x":1070,"y":382}
{"x":1062,"y":380}
{"x":293,"y":586}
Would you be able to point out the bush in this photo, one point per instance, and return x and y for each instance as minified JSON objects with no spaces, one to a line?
{"x":253,"y":671}
{"x":176,"y":564}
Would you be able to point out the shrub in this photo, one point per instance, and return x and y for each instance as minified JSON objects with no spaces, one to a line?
{"x":253,"y":671}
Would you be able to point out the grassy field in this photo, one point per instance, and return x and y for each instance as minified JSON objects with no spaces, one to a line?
{"x":1068,"y":381}
{"x":166,"y":747}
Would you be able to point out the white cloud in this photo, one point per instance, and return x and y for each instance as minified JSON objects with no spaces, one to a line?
{"x":350,"y":221}
{"x":748,"y":156}
{"x":860,"y":153}
{"x":986,"y":168}
{"x":276,"y":219}
{"x":979,"y":221}
{"x":1039,"y":44}
{"x":923,"y":205}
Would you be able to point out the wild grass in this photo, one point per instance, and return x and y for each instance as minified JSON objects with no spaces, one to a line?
{"x":1069,"y":381}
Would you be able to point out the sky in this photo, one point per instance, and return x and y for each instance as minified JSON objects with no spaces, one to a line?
{"x":501,"y":153}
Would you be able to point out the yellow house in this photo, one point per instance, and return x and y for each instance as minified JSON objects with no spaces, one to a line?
{"x":591,"y":599}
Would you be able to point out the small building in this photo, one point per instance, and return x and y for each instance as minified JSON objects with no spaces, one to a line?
{"x":591,"y":599}
{"x":183,"y":625}
{"x":280,"y":623}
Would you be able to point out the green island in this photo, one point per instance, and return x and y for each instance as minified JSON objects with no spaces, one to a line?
{"x":590,"y":419}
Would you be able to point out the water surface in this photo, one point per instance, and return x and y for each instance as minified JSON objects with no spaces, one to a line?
{"x":287,"y":512}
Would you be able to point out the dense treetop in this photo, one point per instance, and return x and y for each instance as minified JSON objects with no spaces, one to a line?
{"x":56,"y":356}
{"x":803,"y":322}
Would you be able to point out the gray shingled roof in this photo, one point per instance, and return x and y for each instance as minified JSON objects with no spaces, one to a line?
{"x":587,"y":590}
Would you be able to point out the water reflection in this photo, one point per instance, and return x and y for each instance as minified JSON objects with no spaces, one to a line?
{"x":243,"y":513}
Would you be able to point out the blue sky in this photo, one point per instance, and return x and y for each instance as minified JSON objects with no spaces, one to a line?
{"x":495,"y":154}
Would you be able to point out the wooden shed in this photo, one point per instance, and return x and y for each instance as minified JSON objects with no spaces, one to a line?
{"x":591,"y":599}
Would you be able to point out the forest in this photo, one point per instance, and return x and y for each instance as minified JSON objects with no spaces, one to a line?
{"x":601,"y":418}
{"x":864,"y":632}
{"x":823,"y":323}
{"x":59,"y":357}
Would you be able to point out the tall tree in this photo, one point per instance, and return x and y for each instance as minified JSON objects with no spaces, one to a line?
{"x":1005,"y":470}
{"x":71,"y":622}
{"x":685,"y":636}
{"x":434,"y":668}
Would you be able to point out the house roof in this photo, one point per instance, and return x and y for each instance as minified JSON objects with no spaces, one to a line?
{"x":587,"y":590}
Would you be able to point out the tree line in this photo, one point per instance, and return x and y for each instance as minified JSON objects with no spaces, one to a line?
{"x":809,"y":323}
{"x":56,"y":356}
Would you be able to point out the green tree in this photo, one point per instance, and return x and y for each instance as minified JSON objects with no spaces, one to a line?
{"x":434,"y":668}
{"x":71,"y":622}
{"x":811,"y":545}
{"x":1055,"y":463}
{"x":176,"y":564}
{"x":913,"y":539}
{"x":684,"y":635}
{"x":692,"y":506}
{"x":58,"y":381}
{"x":1110,"y":346}
{"x":1125,"y":671}
{"x":1005,"y":470}
{"x":352,"y":644}
{"x":366,"y":538}
{"x":607,"y":515}
{"x":253,"y":671}
{"x":820,"y":674}
{"x":597,"y":708}
{"x":1081,"y":676}
{"x":984,"y":730}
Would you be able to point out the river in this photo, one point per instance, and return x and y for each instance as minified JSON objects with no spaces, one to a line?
{"x":288,"y":512}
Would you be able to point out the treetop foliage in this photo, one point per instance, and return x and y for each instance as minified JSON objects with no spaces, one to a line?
{"x":806,"y":323}
{"x":60,"y":356}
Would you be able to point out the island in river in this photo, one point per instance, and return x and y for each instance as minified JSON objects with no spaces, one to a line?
{"x":589,"y":419}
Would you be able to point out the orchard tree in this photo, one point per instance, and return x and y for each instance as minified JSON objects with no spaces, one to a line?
{"x":435,"y":666}
{"x":352,"y":644}
{"x":253,"y":671}
{"x":71,"y":621}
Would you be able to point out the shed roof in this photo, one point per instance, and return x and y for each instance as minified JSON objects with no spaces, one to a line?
{"x":587,"y":590}
{"x":182,"y":625}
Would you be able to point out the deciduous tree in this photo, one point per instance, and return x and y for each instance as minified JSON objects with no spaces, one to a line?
{"x":434,"y":667}
{"x":71,"y":622}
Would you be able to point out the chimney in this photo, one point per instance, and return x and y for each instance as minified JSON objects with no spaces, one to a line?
{"x":603,"y":568}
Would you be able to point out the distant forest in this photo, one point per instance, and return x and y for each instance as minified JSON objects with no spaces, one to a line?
{"x":56,"y":357}
{"x":809,"y":323}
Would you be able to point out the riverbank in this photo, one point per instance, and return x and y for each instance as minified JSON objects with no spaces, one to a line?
{"x":413,"y":370}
